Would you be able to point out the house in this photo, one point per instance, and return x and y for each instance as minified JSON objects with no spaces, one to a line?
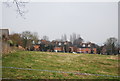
{"x":66,"y":46}
{"x":58,"y":46}
{"x":4,"y":34}
{"x":36,"y":47}
{"x":87,"y":48}
{"x":58,"y":49}
{"x":72,"y":49}
{"x":4,"y":37}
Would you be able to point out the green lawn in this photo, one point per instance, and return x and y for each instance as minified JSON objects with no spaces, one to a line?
{"x":66,"y":62}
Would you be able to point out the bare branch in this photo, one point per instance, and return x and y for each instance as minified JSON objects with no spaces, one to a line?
{"x":20,"y":6}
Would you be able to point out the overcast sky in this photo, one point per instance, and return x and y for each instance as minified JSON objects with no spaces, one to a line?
{"x":94,"y":21}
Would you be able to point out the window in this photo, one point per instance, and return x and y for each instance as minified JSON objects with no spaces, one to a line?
{"x":89,"y":45}
{"x":83,"y":45}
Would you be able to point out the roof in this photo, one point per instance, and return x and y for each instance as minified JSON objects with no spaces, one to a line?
{"x":4,"y":31}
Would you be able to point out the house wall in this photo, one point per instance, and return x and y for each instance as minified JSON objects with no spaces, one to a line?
{"x":58,"y":48}
{"x":4,"y":46}
{"x":95,"y":50}
{"x":36,"y":47}
{"x":86,"y":50}
{"x":71,"y":49}
{"x":4,"y":32}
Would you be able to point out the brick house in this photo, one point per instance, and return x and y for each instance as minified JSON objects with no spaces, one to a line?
{"x":87,"y":48}
{"x":58,"y":49}
{"x":60,"y":46}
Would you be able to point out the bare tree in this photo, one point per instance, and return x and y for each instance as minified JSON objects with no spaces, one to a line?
{"x":111,"y":45}
{"x":45,"y":38}
{"x":74,"y":36}
{"x":64,"y":37}
{"x":78,"y":36}
{"x":16,"y":39}
{"x":76,"y":39}
{"x":28,"y":38}
{"x":35,"y":37}
{"x":20,"y":6}
{"x":71,"y":38}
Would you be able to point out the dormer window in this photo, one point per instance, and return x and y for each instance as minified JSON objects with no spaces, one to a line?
{"x":83,"y":45}
{"x":59,"y":44}
{"x":39,"y":42}
{"x":33,"y":42}
{"x":89,"y":45}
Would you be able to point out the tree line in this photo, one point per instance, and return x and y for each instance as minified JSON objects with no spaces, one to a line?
{"x":27,"y":39}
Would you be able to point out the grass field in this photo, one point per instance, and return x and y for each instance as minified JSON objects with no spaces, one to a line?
{"x":65,"y":62}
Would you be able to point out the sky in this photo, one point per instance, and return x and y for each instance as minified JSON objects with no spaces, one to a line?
{"x":94,"y":21}
{"x":0,"y":14}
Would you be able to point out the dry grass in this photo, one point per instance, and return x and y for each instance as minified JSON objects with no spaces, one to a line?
{"x":68,"y":62}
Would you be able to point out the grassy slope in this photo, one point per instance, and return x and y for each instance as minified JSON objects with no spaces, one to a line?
{"x":83,"y":63}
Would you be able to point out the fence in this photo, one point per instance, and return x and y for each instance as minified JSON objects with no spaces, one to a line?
{"x":78,"y":73}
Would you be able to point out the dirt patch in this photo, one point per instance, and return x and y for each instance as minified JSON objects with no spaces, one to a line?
{"x":113,"y":57}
